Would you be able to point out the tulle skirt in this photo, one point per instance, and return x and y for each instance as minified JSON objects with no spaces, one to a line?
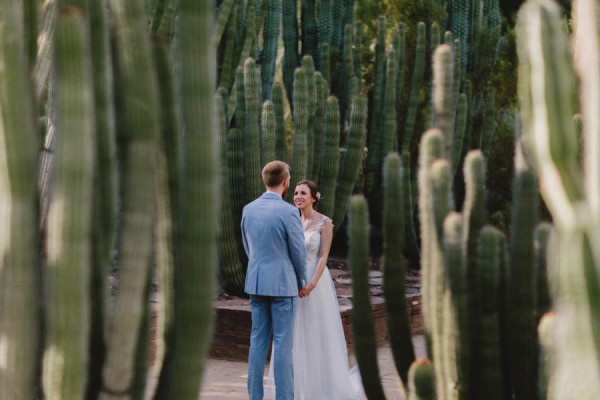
{"x":321,"y":369}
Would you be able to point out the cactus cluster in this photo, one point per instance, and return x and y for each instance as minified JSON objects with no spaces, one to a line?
{"x":121,"y":189}
{"x":477,"y":284}
{"x":323,"y":135}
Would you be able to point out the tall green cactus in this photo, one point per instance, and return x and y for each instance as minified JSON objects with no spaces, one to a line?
{"x":69,"y":237}
{"x":252,"y":113}
{"x":281,"y":148}
{"x":551,"y":142}
{"x":394,"y":270}
{"x":20,"y":316}
{"x":193,"y":285}
{"x":415,"y":88}
{"x":270,"y":42}
{"x":331,"y":156}
{"x":491,"y":263}
{"x":431,"y":149}
{"x":522,"y":287}
{"x":362,"y":318}
{"x":136,"y":231}
{"x":301,"y":123}
{"x":421,"y":375}
{"x":351,"y":161}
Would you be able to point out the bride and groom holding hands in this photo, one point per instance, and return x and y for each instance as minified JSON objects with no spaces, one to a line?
{"x":292,"y":296}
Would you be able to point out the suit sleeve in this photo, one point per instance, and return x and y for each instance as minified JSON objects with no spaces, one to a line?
{"x":244,"y":240}
{"x":297,"y":248}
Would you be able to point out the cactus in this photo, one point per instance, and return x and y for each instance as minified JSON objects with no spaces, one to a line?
{"x":430,"y":150}
{"x":20,"y":215}
{"x":376,"y":137}
{"x":231,"y":270}
{"x":138,"y":209}
{"x":289,"y":23}
{"x":194,"y":287}
{"x":269,"y":52}
{"x":252,"y":113}
{"x":281,"y":149}
{"x":415,"y":88}
{"x":268,"y":133}
{"x":542,"y":237}
{"x":331,"y":156}
{"x":394,"y":270}
{"x":362,"y":319}
{"x":491,"y":263}
{"x":350,"y":163}
{"x":522,"y":287}
{"x":421,"y":376}
{"x":309,"y":28}
{"x":443,"y":94}
{"x":321,"y":94}
{"x":301,"y":122}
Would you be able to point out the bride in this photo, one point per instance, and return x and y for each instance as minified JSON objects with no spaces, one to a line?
{"x":319,"y":350}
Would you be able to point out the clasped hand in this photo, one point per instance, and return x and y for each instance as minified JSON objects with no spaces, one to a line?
{"x":305,"y":291}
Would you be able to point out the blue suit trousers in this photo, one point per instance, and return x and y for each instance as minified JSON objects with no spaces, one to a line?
{"x":271,"y":315}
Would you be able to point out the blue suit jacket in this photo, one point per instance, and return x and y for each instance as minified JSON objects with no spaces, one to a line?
{"x":274,"y":242}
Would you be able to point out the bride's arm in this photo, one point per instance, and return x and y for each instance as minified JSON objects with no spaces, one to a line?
{"x":326,"y":238}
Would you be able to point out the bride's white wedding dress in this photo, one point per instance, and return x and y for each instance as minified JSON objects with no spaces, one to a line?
{"x":320,"y":356}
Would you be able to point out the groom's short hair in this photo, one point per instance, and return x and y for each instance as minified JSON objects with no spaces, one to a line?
{"x":274,"y":173}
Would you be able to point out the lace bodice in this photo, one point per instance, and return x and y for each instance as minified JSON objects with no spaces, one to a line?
{"x":312,"y":241}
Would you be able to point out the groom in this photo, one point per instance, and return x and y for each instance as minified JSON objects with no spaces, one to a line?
{"x":274,"y":242}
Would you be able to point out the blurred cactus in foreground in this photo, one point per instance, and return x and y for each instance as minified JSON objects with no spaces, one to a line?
{"x":549,"y":94}
{"x":108,"y":115}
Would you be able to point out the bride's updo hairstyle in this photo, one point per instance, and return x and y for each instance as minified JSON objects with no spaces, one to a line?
{"x":314,"y":190}
{"x":274,"y":173}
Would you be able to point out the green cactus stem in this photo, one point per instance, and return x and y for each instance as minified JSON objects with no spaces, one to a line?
{"x":443,"y":324}
{"x":69,"y":234}
{"x":309,"y":28}
{"x":522,"y":286}
{"x":270,"y":40}
{"x":443,"y":95}
{"x":301,"y":124}
{"x":421,"y":376}
{"x":253,"y":102}
{"x":363,"y":331}
{"x":331,"y":156}
{"x":491,"y":263}
{"x":351,"y":162}
{"x":322,"y":91}
{"x":555,"y":147}
{"x":415,"y":88}
{"x":474,"y":214}
{"x":137,"y":78}
{"x":281,"y":148}
{"x":105,"y":199}
{"x":20,"y":314}
{"x":269,"y":138}
{"x":194,"y":284}
{"x":431,"y":149}
{"x":394,"y":269}
{"x":231,"y":272}
{"x":289,"y":23}
{"x":542,"y":237}
{"x":454,"y":356}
